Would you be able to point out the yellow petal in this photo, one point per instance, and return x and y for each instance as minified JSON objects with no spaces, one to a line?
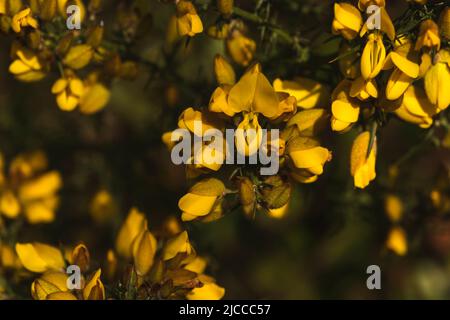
{"x":41,"y":211}
{"x":78,"y":56}
{"x":43,"y":186}
{"x":345,"y":111}
{"x":209,"y":291}
{"x":197,"y":205}
{"x":94,"y":99}
{"x":224,"y":71}
{"x":94,"y":289}
{"x":9,"y":205}
{"x":253,"y":92}
{"x":175,"y":245}
{"x":144,"y":249}
{"x":59,"y":85}
{"x":131,"y":228}
{"x":39,"y":257}
{"x":397,"y":84}
{"x":397,"y":241}
{"x":309,"y":93}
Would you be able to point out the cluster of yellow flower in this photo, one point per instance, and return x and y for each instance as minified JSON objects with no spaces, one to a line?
{"x":186,"y":22}
{"x":252,"y":103}
{"x":165,"y":269}
{"x":27,"y":189}
{"x":43,"y":44}
{"x":413,"y":67}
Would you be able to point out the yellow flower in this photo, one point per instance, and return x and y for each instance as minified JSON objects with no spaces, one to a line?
{"x":49,"y":283}
{"x":176,"y":245}
{"x":404,"y":73}
{"x":189,"y":117}
{"x":81,"y":257}
{"x":278,"y":213}
{"x":347,"y":20}
{"x":307,"y":123}
{"x":10,"y":7}
{"x":134,"y":224}
{"x":209,"y":156}
{"x":188,"y":22}
{"x":223,"y":71}
{"x":309,"y":93}
{"x":373,"y":56}
{"x":94,"y":289}
{"x":428,"y":35}
{"x":144,"y":250}
{"x":437,"y":79}
{"x":95,"y":97}
{"x":397,"y":241}
{"x":28,"y":191}
{"x":26,"y":67}
{"x":39,"y":257}
{"x":9,"y":204}
{"x":202,"y":199}
{"x":219,"y":101}
{"x":362,"y":166}
{"x":345,"y":109}
{"x":208,"y":291}
{"x":307,"y":158}
{"x":225,"y":6}
{"x":9,"y":258}
{"x":68,"y":91}
{"x":39,"y":198}
{"x":23,"y":19}
{"x":219,"y":31}
{"x":241,"y":48}
{"x":103,"y":207}
{"x":287,"y":107}
{"x":363,"y":89}
{"x":416,"y":108}
{"x":394,"y":207}
{"x":253,"y":93}
{"x":78,"y":56}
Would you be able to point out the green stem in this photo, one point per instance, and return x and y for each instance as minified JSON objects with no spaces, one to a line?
{"x":256,"y":19}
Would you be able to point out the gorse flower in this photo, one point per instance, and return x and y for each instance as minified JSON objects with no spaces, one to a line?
{"x":188,"y":22}
{"x":248,"y":105}
{"x":28,"y":190}
{"x":362,"y":160}
{"x":23,"y":19}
